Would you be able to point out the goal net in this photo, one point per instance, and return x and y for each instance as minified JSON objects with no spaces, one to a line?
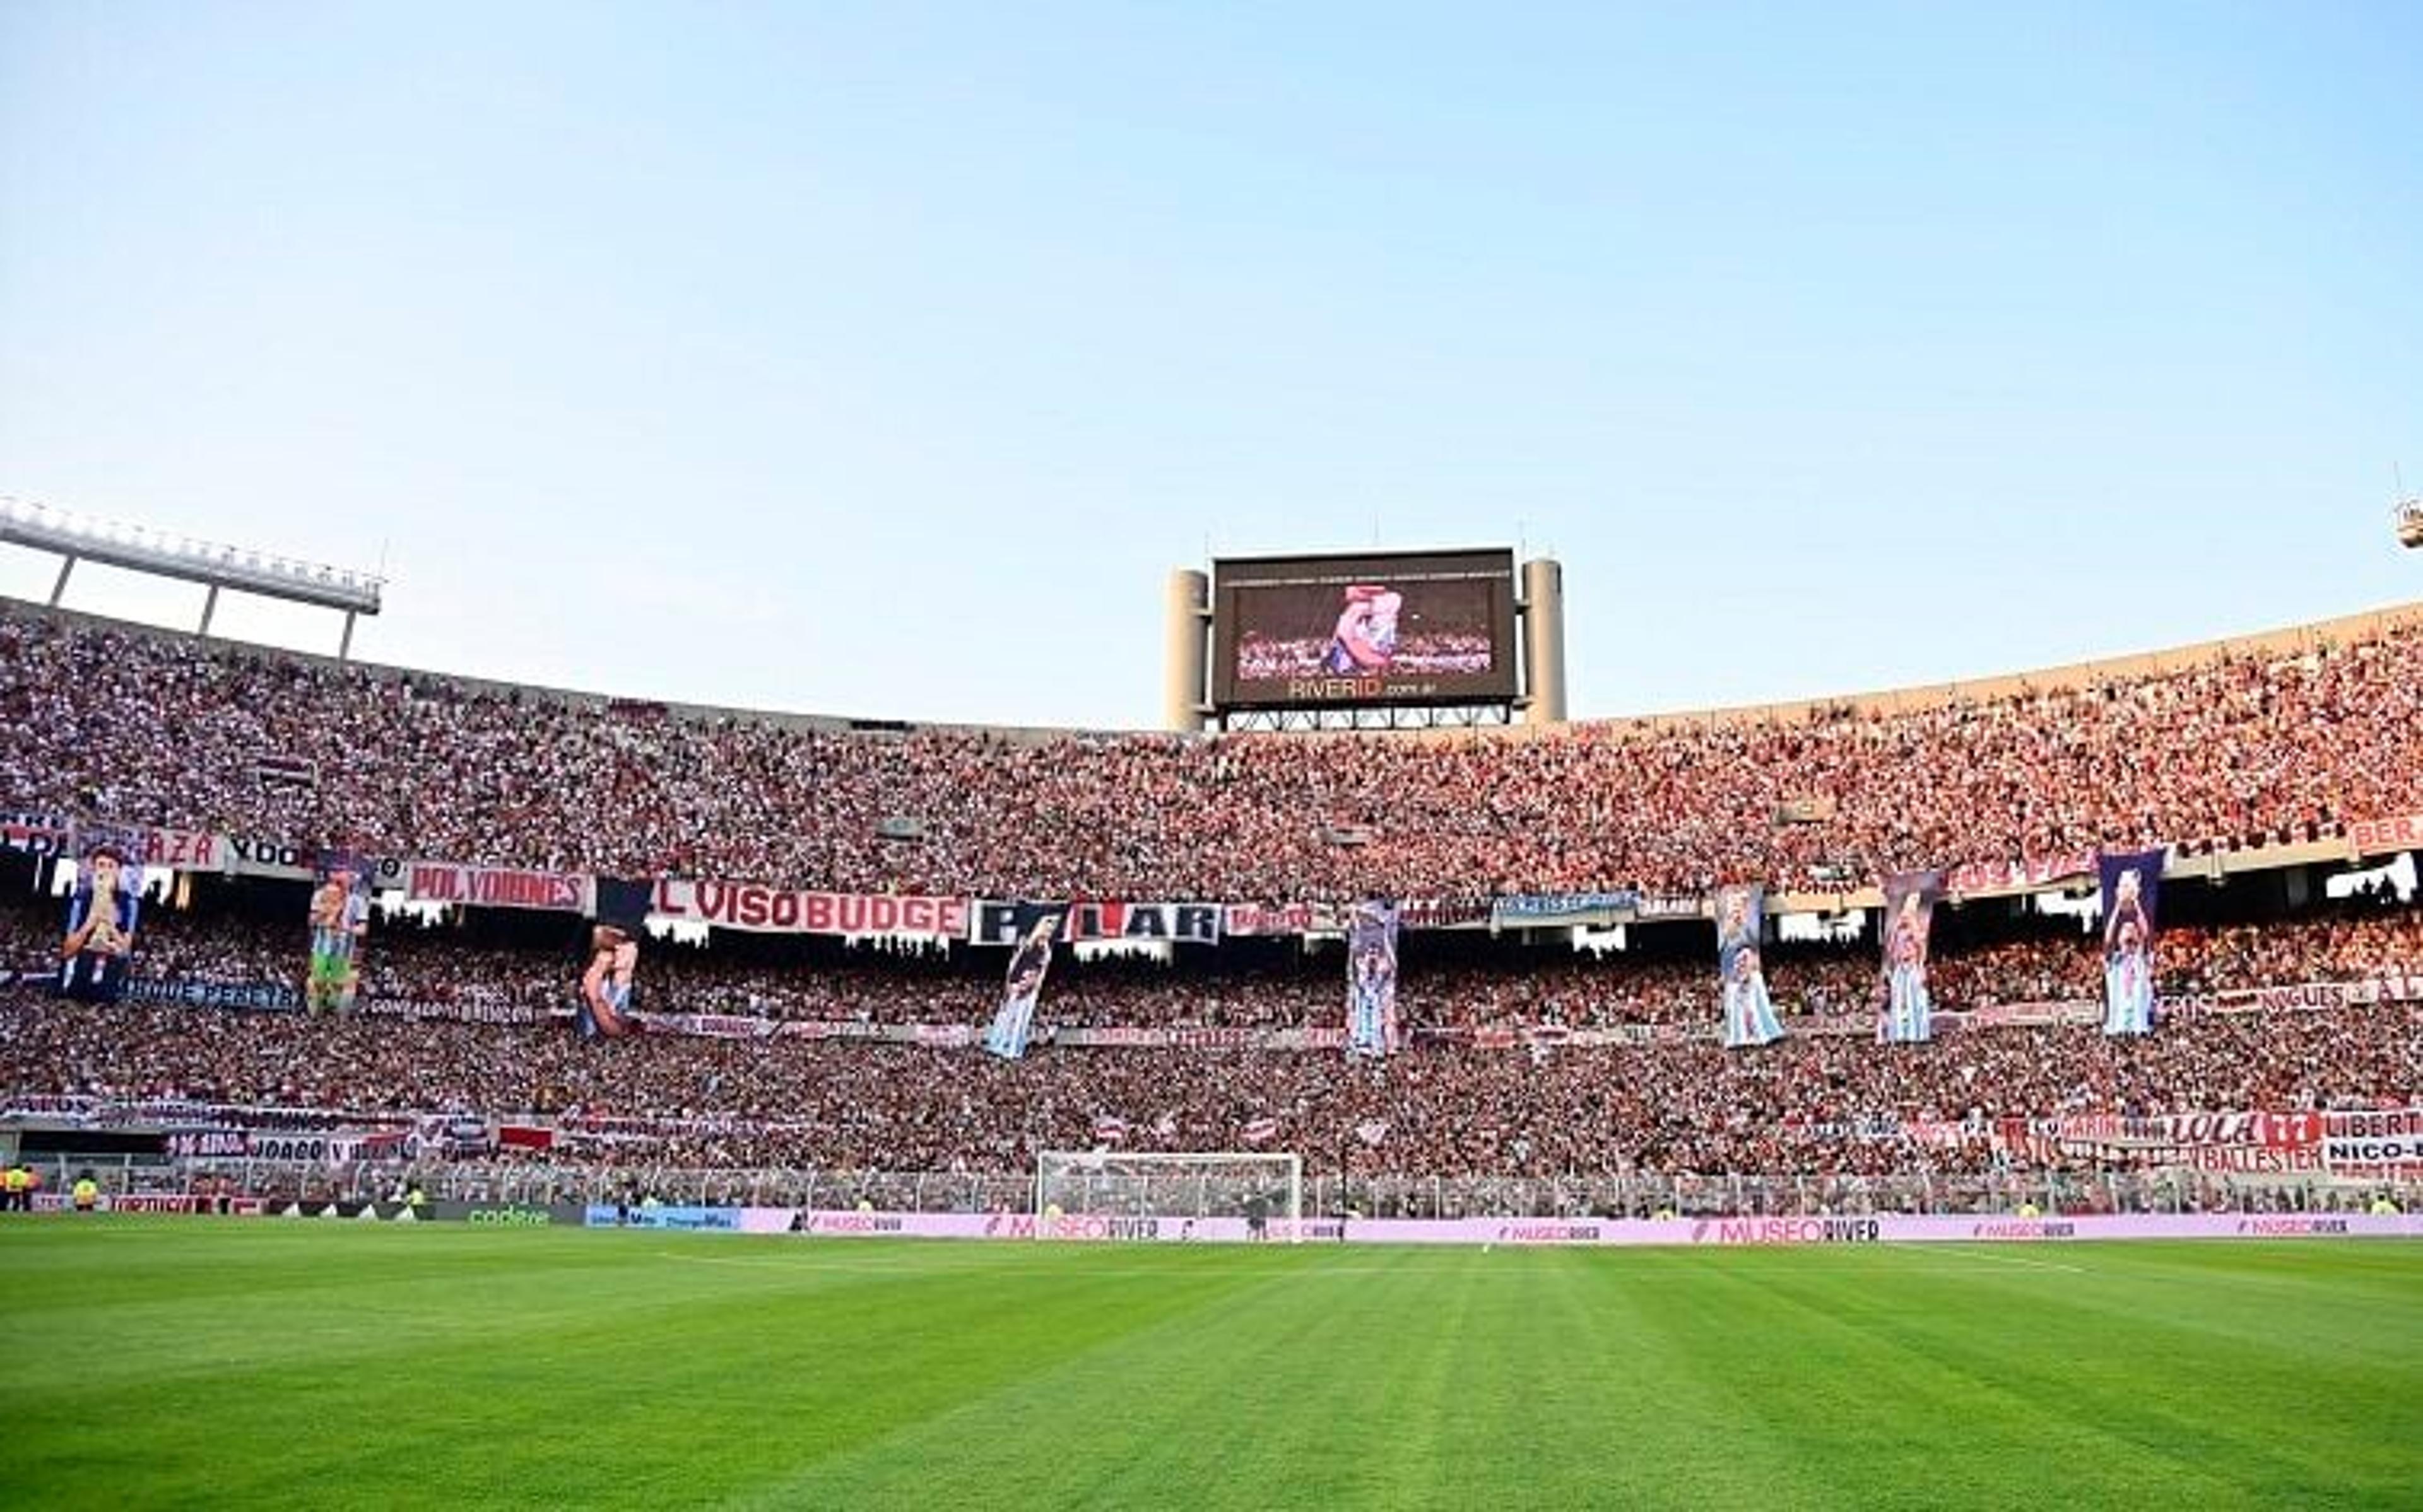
{"x":1216,"y":1185}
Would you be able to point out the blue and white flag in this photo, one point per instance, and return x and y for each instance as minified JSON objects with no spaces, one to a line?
{"x":1750,"y":1017}
{"x":1371,"y":978}
{"x":1030,"y":962}
{"x":102,"y":915}
{"x":2132,"y":886}
{"x":1908,"y":1015}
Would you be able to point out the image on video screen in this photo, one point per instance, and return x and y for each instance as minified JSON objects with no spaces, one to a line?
{"x":1365,"y":629}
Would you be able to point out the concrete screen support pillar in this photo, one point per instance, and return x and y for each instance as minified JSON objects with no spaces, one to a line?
{"x":1187,"y":618}
{"x":1543,"y":639}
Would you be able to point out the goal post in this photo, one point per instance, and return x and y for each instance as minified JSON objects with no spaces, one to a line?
{"x":1217,"y":1184}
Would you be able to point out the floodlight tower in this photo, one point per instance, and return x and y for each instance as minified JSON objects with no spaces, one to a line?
{"x":82,"y":538}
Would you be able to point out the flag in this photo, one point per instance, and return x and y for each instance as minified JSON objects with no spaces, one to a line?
{"x":1258,"y":1130}
{"x":1110,"y":1131}
{"x":1371,"y":1130}
{"x":1741,"y":981}
{"x":608,"y":1005}
{"x":1909,"y":1016}
{"x":278,"y":770}
{"x":1038,"y":926}
{"x":340,"y":916}
{"x":1371,"y":978}
{"x":2132,"y":886}
{"x":102,"y":915}
{"x":623,"y":902}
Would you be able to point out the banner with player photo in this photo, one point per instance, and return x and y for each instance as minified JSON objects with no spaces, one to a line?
{"x":1750,"y":1017}
{"x":339,"y":916}
{"x":1907,"y":1017}
{"x":102,"y":915}
{"x":1038,"y":926}
{"x":1372,"y":1027}
{"x":2132,"y":887}
{"x":607,"y":1006}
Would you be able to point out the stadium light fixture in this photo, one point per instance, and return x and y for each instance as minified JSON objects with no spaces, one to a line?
{"x":166,"y":554}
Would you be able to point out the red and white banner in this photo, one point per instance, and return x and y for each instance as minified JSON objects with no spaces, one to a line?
{"x":766,"y":910}
{"x":499,"y":886}
{"x":2374,"y":837}
{"x":2026,"y":875}
{"x":1319,"y":1037}
{"x":2379,"y":1146}
{"x":2308,"y":998}
{"x":1267,"y":919}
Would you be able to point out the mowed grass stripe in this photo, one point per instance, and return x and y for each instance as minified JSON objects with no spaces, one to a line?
{"x":174,"y":1362}
{"x":595,"y":1384}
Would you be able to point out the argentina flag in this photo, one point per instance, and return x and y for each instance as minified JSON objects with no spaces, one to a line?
{"x":1909,"y":1016}
{"x":2132,"y":886}
{"x":1750,"y":1015}
{"x":1038,"y":926}
{"x":1371,"y":978}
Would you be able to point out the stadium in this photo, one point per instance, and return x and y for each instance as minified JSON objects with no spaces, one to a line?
{"x":1390,"y":1079}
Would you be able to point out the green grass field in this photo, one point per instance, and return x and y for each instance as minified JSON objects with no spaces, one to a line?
{"x":237,"y":1364}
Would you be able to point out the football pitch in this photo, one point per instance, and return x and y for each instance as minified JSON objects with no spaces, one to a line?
{"x":179,"y":1363}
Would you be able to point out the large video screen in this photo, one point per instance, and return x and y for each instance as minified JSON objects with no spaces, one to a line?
{"x":1328,"y":632}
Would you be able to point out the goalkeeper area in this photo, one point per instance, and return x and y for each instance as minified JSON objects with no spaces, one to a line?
{"x":197,"y":1362}
{"x":1228,"y":1193}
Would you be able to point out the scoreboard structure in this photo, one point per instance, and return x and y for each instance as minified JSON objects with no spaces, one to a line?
{"x":1397,"y":639}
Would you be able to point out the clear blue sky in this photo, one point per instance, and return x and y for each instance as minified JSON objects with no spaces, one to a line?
{"x":883,"y":359}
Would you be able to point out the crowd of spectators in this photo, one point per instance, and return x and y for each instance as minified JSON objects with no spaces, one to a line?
{"x":1436,"y":1109}
{"x":137,"y":727}
{"x":153,"y":727}
{"x":1445,"y":1107}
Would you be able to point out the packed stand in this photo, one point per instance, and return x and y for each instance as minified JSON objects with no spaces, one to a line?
{"x":153,"y":727}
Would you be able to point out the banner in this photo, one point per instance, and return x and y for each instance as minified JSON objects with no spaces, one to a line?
{"x":764,"y":911}
{"x":2376,"y":836}
{"x":1651,"y":908}
{"x":1142,"y":1038}
{"x":1907,"y":1014}
{"x":635,"y":1215}
{"x":256,"y":997}
{"x":1038,"y":926}
{"x":1249,"y":919}
{"x":510,"y":1215}
{"x":2384,"y":1146}
{"x":338,"y":915}
{"x":102,"y":916}
{"x":1552,"y":910}
{"x":264,"y":856}
{"x":141,"y":845}
{"x":497,"y":887}
{"x":2028,"y":875}
{"x":2310,"y":997}
{"x":2234,"y":1144}
{"x":1186,"y":923}
{"x":1371,"y":978}
{"x":1741,"y":981}
{"x":1728,"y":1231}
{"x":1442,"y":913}
{"x":2132,"y":883}
{"x":608,"y":1004}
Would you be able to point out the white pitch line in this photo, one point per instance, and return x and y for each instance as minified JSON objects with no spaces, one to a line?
{"x":2004,"y":1259}
{"x":907,"y":1270}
